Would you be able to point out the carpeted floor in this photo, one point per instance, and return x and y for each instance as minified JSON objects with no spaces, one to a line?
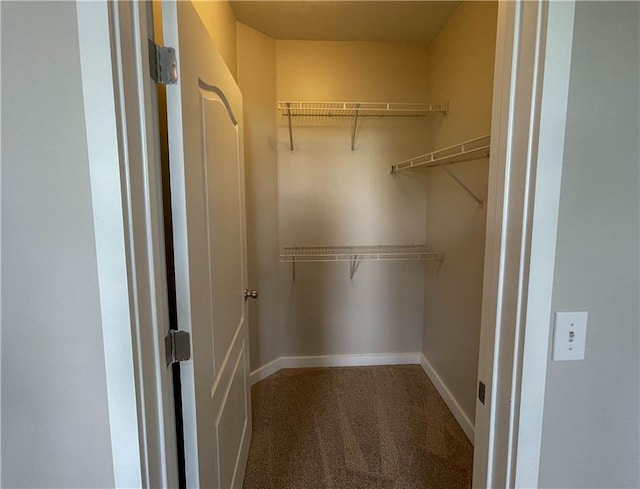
{"x":355,"y":428}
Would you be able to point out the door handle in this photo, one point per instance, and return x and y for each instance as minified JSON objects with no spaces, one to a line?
{"x":250,"y":294}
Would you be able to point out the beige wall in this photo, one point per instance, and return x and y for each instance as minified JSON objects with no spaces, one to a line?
{"x":462,"y":56}
{"x":352,"y":71}
{"x":591,"y":432}
{"x":220,"y":21}
{"x":257,"y":81}
{"x":329,"y":195}
{"x":462,"y":64}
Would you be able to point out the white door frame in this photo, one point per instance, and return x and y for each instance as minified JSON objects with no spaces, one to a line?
{"x":530,"y":96}
{"x":528,"y":136}
{"x":108,"y":215}
{"x":122,"y":136}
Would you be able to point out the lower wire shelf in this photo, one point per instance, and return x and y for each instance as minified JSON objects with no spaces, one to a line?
{"x":355,"y":254}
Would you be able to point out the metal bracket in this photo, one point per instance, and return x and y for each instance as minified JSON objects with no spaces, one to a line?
{"x":177,"y":345}
{"x":290,"y":130}
{"x":353,"y":266}
{"x":460,"y":182}
{"x":355,"y":128}
{"x":163,"y":64}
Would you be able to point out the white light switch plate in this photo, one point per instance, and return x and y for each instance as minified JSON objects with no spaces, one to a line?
{"x":570,"y":336}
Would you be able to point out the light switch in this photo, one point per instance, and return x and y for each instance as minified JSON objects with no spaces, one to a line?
{"x":570,"y":335}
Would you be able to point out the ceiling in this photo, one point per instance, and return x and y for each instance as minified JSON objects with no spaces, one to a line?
{"x":340,"y":20}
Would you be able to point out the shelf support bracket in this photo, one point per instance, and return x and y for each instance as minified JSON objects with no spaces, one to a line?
{"x":355,"y":128}
{"x":461,"y":183}
{"x":353,"y":266}
{"x":290,"y":130}
{"x":293,"y":269}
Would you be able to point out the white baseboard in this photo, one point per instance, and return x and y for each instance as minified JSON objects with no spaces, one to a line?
{"x":462,"y":419}
{"x":334,"y":361}
{"x":263,"y":372}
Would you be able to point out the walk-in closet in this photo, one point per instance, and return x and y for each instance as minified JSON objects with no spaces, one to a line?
{"x":366,"y":180}
{"x":366,"y":139}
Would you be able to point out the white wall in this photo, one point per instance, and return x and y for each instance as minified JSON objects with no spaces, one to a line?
{"x":329,"y":195}
{"x":55,"y":423}
{"x":462,"y":65}
{"x":257,"y":81}
{"x":591,"y":434}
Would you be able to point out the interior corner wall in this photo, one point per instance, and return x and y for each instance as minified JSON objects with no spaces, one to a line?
{"x":330,"y":195}
{"x":462,"y":65}
{"x":591,"y":433}
{"x":55,"y":420}
{"x":257,"y":81}
{"x":220,"y":22}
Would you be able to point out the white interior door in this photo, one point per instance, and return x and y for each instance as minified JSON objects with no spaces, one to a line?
{"x":207,"y":186}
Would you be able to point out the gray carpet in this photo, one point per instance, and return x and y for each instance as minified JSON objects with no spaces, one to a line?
{"x":359,"y":427}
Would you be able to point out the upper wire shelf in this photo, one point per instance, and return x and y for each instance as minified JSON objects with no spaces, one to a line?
{"x":469,"y":150}
{"x":362,"y":109}
{"x":291,"y":110}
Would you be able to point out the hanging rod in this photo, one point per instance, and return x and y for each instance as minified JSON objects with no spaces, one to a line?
{"x":473,"y":149}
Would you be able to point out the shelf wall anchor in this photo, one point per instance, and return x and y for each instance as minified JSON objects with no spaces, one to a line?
{"x":461,"y":183}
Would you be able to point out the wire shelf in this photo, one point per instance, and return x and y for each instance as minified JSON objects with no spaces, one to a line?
{"x":356,"y":110}
{"x":473,"y":149}
{"x":295,"y":254}
{"x":362,"y":109}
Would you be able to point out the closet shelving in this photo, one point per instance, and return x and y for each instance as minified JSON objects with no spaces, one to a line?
{"x":473,"y":149}
{"x":293,"y":109}
{"x":355,"y":254}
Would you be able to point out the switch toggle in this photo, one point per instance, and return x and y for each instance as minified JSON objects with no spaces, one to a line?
{"x":570,"y":336}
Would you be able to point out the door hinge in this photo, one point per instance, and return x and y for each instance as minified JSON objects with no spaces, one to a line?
{"x":163,"y":64}
{"x":177,"y":346}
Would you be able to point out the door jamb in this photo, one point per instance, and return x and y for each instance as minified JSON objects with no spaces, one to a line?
{"x":531,"y":87}
{"x":108,"y":215}
{"x":113,"y":39}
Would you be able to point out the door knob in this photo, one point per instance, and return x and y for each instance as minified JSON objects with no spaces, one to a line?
{"x":250,"y":294}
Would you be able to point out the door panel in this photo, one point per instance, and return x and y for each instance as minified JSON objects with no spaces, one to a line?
{"x":207,"y":194}
{"x":221,"y":180}
{"x":232,"y":423}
